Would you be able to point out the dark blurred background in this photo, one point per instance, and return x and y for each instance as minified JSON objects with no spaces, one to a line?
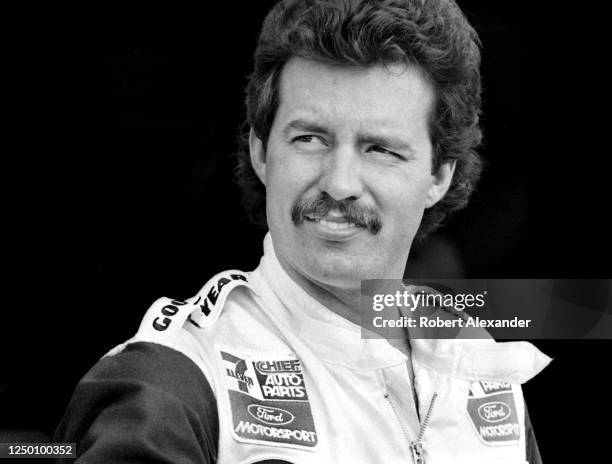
{"x":120,"y":189}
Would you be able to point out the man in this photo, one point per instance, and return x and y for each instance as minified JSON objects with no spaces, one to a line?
{"x":363,"y":123}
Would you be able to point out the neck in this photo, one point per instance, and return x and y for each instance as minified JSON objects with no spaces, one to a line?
{"x":344,"y":301}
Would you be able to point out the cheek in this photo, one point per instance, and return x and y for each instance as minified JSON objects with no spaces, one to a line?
{"x":285,"y":184}
{"x":278,"y":173}
{"x":290,"y":176}
{"x":403,"y":195}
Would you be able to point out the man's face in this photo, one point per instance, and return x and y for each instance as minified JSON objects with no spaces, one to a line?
{"x":347,"y":170}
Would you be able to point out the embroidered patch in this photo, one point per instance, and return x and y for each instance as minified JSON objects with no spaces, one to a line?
{"x":492,"y":412}
{"x":212,"y":297}
{"x":269,"y":401}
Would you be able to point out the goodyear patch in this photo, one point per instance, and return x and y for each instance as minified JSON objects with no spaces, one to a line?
{"x":492,"y":411}
{"x":212,"y":297}
{"x":269,"y":401}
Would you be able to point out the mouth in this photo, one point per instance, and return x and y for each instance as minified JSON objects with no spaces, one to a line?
{"x":333,"y":223}
{"x":334,"y":226}
{"x":334,"y":219}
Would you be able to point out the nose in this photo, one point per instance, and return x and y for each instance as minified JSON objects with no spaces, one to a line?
{"x":341,"y":174}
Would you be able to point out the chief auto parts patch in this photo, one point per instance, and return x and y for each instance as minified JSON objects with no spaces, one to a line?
{"x":269,"y":401}
{"x":492,"y":412}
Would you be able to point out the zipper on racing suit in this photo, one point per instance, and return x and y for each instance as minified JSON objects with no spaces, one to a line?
{"x":416,"y":446}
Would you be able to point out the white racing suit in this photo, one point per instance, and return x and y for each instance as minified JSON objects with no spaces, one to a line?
{"x":288,"y":380}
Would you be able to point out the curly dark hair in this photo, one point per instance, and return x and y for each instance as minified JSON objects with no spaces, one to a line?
{"x":431,"y":34}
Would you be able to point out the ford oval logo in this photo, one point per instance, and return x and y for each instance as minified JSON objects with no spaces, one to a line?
{"x":495,"y":411}
{"x":269,"y":415}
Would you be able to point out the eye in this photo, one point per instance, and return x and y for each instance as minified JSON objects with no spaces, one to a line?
{"x":309,"y":141}
{"x":306,"y":138}
{"x":384,"y":151}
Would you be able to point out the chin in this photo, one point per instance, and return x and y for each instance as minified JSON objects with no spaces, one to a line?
{"x":339,"y":272}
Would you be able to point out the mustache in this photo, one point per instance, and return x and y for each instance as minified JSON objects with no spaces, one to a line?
{"x":318,"y":207}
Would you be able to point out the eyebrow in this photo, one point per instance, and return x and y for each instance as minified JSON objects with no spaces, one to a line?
{"x":390,"y":141}
{"x":306,"y":126}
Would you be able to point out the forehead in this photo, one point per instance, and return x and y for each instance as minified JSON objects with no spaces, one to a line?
{"x":397,"y":96}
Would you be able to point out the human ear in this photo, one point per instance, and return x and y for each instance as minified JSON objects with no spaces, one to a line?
{"x":258,"y":156}
{"x":441,"y":181}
